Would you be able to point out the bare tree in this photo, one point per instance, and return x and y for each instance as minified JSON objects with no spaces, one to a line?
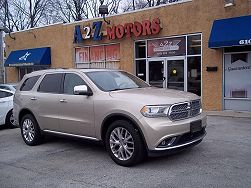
{"x":32,"y":9}
{"x":75,"y":10}
{"x":72,"y":10}
{"x":21,"y":14}
{"x":133,"y":5}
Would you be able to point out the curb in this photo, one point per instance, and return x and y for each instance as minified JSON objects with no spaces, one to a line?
{"x":229,"y":113}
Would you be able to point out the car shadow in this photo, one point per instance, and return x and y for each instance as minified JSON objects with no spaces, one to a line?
{"x":4,"y":127}
{"x":74,"y":142}
{"x":98,"y":148}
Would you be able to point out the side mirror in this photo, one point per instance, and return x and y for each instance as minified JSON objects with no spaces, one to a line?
{"x":82,"y":90}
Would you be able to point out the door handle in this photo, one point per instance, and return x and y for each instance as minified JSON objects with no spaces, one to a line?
{"x":33,"y":98}
{"x":63,"y":100}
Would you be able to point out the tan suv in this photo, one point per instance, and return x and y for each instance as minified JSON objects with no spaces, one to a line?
{"x":132,"y":118}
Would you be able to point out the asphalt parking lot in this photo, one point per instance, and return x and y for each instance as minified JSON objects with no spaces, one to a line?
{"x":223,"y":159}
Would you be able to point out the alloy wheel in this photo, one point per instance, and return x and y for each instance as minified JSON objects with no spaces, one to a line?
{"x":28,"y":130}
{"x":12,"y":120}
{"x":121,"y":143}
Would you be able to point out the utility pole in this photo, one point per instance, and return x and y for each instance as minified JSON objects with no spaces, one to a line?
{"x":2,"y":69}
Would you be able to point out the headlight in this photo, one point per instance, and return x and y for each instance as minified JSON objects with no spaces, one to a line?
{"x":155,"y":111}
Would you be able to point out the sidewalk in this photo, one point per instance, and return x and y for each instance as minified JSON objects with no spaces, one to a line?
{"x":229,"y":113}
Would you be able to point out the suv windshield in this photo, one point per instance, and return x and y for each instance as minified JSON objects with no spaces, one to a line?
{"x":115,"y":80}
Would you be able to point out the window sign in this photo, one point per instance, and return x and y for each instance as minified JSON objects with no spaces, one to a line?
{"x":166,"y":47}
{"x":97,"y":53}
{"x":82,"y":55}
{"x":112,"y":52}
{"x":237,"y":75}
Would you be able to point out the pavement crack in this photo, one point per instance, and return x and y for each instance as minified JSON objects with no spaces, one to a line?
{"x":89,"y":183}
{"x":59,"y":151}
{"x":23,"y":168}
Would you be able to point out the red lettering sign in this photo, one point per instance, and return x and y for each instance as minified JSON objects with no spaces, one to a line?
{"x":128,"y":28}
{"x":146,"y":28}
{"x":119,"y":31}
{"x":137,"y":29}
{"x":111,"y":32}
{"x":156,"y":26}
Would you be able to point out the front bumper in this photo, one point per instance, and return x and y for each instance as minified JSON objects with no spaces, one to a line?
{"x":156,"y":130}
{"x":184,"y":141}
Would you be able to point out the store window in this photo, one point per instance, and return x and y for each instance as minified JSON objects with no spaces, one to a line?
{"x":140,"y":59}
{"x":140,"y":49}
{"x":194,"y":75}
{"x":194,"y":45}
{"x":141,"y":69}
{"x":237,"y":75}
{"x":194,"y":64}
{"x":26,"y":70}
{"x":100,"y":56}
{"x":237,"y":86}
{"x":161,"y":62}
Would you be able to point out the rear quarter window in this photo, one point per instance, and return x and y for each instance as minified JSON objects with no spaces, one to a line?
{"x":29,"y":83}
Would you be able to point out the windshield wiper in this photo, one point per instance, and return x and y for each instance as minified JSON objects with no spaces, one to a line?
{"x":117,"y":89}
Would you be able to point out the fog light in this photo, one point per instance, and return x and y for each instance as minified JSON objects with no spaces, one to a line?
{"x":167,"y":142}
{"x":163,"y":143}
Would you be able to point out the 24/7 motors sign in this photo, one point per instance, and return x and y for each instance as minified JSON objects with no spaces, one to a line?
{"x":144,"y":28}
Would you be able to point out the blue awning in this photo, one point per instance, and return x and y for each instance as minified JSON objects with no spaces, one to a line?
{"x":231,"y":32}
{"x":29,"y":57}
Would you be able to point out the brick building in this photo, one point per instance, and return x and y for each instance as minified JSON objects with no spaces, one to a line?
{"x":200,"y":46}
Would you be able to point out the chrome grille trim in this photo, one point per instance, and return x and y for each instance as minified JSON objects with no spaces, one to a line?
{"x":184,"y":110}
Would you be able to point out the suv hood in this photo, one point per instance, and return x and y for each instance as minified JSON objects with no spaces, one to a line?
{"x":154,"y":96}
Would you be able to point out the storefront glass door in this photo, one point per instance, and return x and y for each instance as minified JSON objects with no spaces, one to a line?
{"x":167,"y":73}
{"x":156,"y":73}
{"x":237,"y":85}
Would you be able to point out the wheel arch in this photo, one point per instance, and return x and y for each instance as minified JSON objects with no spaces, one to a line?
{"x":23,"y":112}
{"x":119,"y":116}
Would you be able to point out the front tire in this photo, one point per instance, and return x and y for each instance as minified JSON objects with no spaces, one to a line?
{"x":30,"y":130}
{"x":124,"y":143}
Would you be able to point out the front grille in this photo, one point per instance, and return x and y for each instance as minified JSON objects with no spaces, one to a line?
{"x":184,"y":110}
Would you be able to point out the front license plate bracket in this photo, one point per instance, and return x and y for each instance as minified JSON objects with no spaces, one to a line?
{"x":195,"y":126}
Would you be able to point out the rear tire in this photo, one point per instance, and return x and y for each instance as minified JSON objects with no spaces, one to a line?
{"x":124,"y":143}
{"x":30,"y":130}
{"x":9,"y":122}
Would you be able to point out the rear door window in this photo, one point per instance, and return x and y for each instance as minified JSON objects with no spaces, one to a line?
{"x":51,"y":83}
{"x":29,"y":83}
